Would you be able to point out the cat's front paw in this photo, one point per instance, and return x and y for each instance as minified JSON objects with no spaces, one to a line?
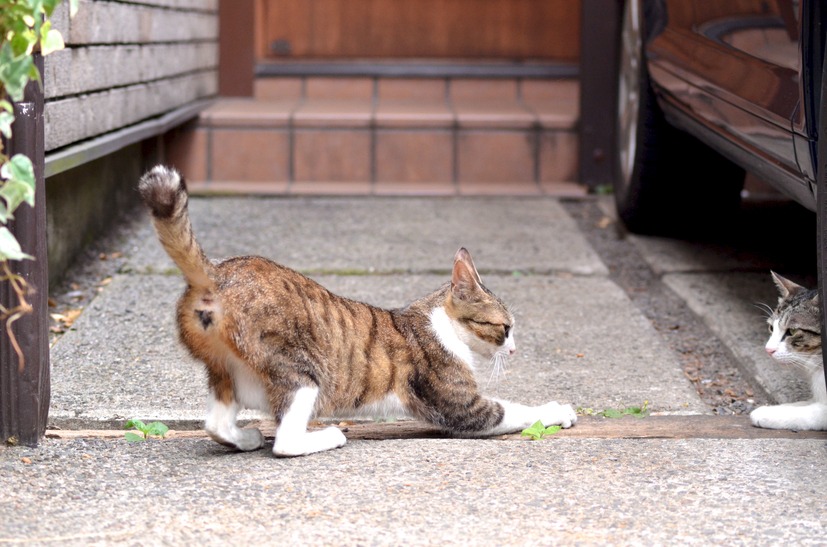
{"x":773,"y":417}
{"x":556,"y":414}
{"x":759,"y":416}
{"x":802,"y":416}
{"x":309,"y":442}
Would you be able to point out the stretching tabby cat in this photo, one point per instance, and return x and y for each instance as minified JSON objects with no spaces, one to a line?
{"x":274,"y":340}
{"x":795,"y":339}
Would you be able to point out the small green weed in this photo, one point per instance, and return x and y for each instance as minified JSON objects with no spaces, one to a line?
{"x":155,"y":429}
{"x":636,"y":411}
{"x":537,"y":431}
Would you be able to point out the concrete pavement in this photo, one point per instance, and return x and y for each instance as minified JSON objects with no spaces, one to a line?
{"x":580,"y":339}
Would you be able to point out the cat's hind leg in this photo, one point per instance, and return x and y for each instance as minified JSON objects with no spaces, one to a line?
{"x":221,"y":426}
{"x":292,"y":437}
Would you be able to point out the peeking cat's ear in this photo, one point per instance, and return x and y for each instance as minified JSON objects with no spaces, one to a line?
{"x":465,"y":280}
{"x":785,"y":287}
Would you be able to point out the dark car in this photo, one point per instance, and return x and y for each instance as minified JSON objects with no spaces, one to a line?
{"x":708,"y":89}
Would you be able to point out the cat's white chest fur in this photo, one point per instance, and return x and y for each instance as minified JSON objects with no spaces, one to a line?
{"x":446,"y":332}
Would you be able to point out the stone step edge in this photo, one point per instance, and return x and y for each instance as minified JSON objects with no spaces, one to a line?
{"x":556,"y":189}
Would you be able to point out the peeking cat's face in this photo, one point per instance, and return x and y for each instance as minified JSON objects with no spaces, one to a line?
{"x":795,"y":326}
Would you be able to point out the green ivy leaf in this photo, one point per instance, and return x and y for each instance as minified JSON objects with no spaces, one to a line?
{"x":14,"y":71}
{"x":13,"y":192}
{"x":23,"y":42}
{"x":49,"y":6}
{"x":50,"y":39}
{"x":133,"y":437}
{"x":612,"y":413}
{"x":9,"y":247}
{"x":6,"y":119}
{"x":19,"y":185}
{"x":19,"y":167}
{"x":7,"y":106}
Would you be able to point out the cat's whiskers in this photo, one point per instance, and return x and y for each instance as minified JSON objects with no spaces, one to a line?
{"x":764,"y":308}
{"x":498,"y":366}
{"x":806,"y":364}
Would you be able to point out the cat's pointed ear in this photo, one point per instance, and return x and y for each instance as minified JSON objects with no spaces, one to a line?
{"x":465,"y":280}
{"x":465,"y":257}
{"x":785,"y":287}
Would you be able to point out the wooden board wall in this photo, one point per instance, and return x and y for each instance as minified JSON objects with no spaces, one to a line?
{"x":472,"y":29}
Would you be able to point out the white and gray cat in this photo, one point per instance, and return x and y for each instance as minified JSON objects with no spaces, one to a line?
{"x":795,"y":340}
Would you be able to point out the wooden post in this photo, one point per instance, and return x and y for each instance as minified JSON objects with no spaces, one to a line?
{"x":236,"y":58}
{"x":599,"y":41}
{"x":24,"y":394}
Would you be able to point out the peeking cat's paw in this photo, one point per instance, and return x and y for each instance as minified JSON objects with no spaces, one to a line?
{"x":802,"y":416}
{"x":760,"y":417}
{"x":773,"y":417}
{"x":556,"y":414}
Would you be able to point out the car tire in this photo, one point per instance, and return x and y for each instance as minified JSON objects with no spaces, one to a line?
{"x":666,"y":182}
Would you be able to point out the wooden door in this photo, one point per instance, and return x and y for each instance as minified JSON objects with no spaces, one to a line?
{"x":431,"y":29}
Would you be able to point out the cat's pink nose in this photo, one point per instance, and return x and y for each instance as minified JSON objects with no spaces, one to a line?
{"x":770,"y":350}
{"x":512,"y":351}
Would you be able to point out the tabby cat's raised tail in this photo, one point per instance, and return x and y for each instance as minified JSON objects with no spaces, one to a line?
{"x":165,"y":193}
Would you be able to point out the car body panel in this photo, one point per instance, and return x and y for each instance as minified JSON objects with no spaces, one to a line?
{"x":732,"y":74}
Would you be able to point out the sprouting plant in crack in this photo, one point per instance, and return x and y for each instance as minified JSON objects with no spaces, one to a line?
{"x":537,"y":431}
{"x":636,"y":411}
{"x":154,"y":429}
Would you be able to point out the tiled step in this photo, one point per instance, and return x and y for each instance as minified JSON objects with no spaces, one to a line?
{"x":386,"y":136}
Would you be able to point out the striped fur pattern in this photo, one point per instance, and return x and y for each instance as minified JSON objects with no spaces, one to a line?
{"x":795,"y":341}
{"x":274,"y":340}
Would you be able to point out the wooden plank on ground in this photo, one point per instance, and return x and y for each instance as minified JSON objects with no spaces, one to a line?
{"x":588,"y":427}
